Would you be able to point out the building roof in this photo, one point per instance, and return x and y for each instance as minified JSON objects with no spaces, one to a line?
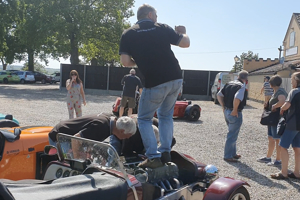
{"x":272,"y":69}
{"x":297,"y":16}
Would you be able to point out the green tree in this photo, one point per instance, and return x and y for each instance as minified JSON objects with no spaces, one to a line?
{"x":8,"y":42}
{"x":89,"y":25}
{"x":238,"y":66}
{"x":37,"y":67}
{"x":34,"y":30}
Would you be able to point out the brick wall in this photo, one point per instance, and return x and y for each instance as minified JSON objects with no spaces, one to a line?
{"x":251,"y":65}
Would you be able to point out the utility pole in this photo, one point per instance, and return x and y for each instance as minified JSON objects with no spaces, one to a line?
{"x":280,"y":50}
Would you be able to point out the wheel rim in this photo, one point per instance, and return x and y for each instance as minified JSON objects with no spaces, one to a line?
{"x":194,"y":114}
{"x":239,"y":196}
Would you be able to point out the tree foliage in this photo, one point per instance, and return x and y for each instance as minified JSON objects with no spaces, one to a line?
{"x":86,"y":26}
{"x":8,"y":43}
{"x":238,"y":66}
{"x":89,"y":29}
{"x":37,"y":67}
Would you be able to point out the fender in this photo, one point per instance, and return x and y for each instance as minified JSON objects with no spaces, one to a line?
{"x":222,"y":188}
{"x":188,"y":108}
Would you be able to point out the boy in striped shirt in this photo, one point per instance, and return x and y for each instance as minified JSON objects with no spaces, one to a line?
{"x":266,"y":88}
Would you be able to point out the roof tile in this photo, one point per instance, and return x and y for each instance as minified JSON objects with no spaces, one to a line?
{"x":275,"y":68}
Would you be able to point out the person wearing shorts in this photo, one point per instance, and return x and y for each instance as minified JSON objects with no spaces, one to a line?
{"x":275,"y":102}
{"x":130,"y":83}
{"x":291,"y":135}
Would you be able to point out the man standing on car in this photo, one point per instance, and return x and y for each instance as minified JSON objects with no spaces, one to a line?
{"x":147,"y":44}
{"x":130,"y":83}
{"x":232,"y":98}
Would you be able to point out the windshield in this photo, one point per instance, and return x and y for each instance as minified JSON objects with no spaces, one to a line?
{"x":90,"y":151}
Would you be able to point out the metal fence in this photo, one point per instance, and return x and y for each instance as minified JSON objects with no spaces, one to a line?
{"x":196,"y":82}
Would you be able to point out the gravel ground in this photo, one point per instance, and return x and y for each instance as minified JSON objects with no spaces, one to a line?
{"x":37,"y":104}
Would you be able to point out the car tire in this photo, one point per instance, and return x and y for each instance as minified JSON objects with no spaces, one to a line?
{"x":5,"y":80}
{"x":22,"y":81}
{"x":192,"y":112}
{"x":240,"y":193}
{"x":43,"y":81}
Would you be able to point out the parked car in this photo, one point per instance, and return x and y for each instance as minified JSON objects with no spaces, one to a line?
{"x":22,"y":150}
{"x":26,"y":76}
{"x":9,"y":77}
{"x":56,"y":77}
{"x":43,"y":78}
{"x":94,"y":170}
{"x":7,"y":117}
{"x":220,"y":80}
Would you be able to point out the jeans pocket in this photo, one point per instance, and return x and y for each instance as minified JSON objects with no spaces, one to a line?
{"x":157,"y":95}
{"x":231,"y":119}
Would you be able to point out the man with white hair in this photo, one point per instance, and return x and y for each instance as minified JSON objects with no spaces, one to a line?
{"x":95,"y":127}
{"x":130,"y":83}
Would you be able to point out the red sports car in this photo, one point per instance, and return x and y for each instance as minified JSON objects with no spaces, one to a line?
{"x":182,"y":109}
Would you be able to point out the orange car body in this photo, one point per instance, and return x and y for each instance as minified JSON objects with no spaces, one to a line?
{"x":21,"y":159}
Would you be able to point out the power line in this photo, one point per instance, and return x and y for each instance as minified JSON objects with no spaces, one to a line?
{"x":235,"y":51}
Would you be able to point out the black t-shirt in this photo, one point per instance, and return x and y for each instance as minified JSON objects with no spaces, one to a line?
{"x":149,"y":44}
{"x":130,"y":83}
{"x":94,"y":127}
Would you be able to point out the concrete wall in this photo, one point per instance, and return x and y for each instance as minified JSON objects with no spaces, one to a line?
{"x":256,"y":83}
{"x":251,"y":65}
{"x":294,"y":26}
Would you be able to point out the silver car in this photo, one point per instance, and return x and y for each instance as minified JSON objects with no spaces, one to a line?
{"x":26,"y":76}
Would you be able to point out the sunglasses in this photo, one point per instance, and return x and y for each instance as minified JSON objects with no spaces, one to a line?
{"x":73,"y":74}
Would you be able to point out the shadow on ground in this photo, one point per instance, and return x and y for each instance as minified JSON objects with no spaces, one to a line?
{"x":261,"y":179}
{"x":45,"y":92}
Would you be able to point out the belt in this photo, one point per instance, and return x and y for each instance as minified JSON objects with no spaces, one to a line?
{"x":239,"y":110}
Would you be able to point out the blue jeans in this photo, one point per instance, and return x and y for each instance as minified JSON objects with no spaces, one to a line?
{"x":234,"y":124}
{"x":116,"y":143}
{"x":161,"y":98}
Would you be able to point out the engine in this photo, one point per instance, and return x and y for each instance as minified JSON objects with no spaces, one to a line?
{"x":168,"y":171}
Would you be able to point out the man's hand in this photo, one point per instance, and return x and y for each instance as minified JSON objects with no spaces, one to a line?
{"x":273,"y":108}
{"x":180,"y":29}
{"x":234,"y":113}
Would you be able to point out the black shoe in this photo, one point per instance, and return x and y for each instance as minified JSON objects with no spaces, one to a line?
{"x":165,"y":157}
{"x":231,"y":160}
{"x":151,"y":163}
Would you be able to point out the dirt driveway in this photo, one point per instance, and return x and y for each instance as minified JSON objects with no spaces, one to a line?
{"x":37,"y":104}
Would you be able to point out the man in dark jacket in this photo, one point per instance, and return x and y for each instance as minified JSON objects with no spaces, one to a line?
{"x":232,"y":98}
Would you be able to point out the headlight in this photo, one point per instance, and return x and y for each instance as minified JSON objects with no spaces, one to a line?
{"x":212,"y":173}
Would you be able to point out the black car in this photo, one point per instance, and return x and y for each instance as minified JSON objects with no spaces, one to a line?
{"x":43,"y":78}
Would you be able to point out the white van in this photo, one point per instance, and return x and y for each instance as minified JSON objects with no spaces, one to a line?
{"x":221,"y":79}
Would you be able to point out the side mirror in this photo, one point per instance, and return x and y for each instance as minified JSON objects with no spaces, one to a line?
{"x":50,"y":150}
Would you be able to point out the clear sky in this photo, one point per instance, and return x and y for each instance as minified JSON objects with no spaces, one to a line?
{"x":220,"y":29}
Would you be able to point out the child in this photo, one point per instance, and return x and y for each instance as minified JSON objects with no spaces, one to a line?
{"x":268,"y":91}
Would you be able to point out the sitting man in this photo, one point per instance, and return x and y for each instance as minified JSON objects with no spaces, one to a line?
{"x":95,"y":127}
